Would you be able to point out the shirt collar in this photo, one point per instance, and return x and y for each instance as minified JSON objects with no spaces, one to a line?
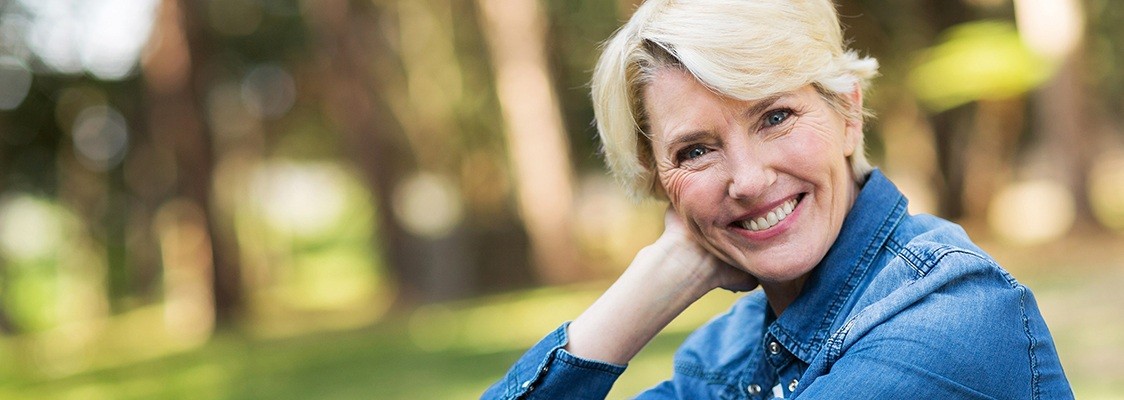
{"x":807,"y":322}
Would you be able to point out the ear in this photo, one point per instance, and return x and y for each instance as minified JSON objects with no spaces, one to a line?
{"x":853,"y":131}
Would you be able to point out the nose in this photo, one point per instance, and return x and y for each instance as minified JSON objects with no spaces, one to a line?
{"x":750,"y":173}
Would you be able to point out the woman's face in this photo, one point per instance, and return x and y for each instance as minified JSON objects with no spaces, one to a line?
{"x":764,"y":184}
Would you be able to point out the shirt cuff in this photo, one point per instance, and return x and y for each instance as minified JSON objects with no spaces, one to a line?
{"x":548,"y":371}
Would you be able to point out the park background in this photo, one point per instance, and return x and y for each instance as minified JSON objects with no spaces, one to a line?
{"x":333,"y":199}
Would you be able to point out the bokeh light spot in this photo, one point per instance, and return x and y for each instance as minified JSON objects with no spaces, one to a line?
{"x":302,"y":199}
{"x":15,"y":81}
{"x":1032,"y":212}
{"x":113,"y":35}
{"x":102,"y":37}
{"x":268,"y":91}
{"x":428,"y":205}
{"x":14,"y":27}
{"x":30,"y":228}
{"x":101,"y":137}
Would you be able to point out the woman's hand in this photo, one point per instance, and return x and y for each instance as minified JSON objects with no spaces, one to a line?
{"x":663,"y":280}
{"x":686,"y":250}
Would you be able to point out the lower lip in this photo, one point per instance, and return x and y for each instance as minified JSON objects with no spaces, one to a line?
{"x":775,"y":230}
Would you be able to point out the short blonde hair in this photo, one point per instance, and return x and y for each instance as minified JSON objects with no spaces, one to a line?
{"x":742,"y":49}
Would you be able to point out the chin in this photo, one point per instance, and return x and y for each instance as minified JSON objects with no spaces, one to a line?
{"x":769,"y":271}
{"x":780,"y":275}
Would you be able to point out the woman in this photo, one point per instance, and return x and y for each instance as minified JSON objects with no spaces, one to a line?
{"x":747,"y":117}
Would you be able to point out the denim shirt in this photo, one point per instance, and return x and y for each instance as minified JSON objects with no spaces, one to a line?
{"x":901,"y":306}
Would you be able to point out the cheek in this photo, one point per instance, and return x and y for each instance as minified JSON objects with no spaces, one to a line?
{"x":689,"y":191}
{"x":831,"y":136}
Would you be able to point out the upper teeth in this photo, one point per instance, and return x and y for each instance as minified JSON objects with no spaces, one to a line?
{"x":771,"y":218}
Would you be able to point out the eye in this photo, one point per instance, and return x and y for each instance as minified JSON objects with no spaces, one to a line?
{"x":776,"y":117}
{"x":691,"y":152}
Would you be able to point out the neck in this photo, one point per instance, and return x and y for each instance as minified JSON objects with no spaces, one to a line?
{"x":781,"y":294}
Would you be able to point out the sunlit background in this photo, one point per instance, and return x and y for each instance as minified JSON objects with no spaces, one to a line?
{"x":391,"y":199}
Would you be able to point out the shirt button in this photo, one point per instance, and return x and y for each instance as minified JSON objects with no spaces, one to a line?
{"x":792,"y":385}
{"x":526,"y":384}
{"x":774,"y":348}
{"x":753,"y":389}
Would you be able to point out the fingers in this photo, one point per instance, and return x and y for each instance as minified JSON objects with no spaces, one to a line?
{"x":715,"y":270}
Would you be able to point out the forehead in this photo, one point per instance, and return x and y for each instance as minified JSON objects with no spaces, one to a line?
{"x":673,"y":82}
{"x":676,"y":103}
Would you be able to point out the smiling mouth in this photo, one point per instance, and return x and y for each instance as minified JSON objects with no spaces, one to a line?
{"x":771,"y":218}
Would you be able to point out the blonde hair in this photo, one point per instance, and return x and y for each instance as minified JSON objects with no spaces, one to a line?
{"x":742,"y":49}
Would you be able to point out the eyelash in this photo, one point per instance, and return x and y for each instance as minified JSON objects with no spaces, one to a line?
{"x":684,"y":154}
{"x":787,"y":112}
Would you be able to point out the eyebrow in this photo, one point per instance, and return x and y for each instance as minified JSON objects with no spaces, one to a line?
{"x":758,"y":107}
{"x":687,"y":138}
{"x":761,"y":105}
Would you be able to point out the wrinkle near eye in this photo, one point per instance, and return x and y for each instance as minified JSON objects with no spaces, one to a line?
{"x":674,"y":182}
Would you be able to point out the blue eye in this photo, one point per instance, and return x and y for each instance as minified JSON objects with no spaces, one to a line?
{"x":692,"y":152}
{"x":776,"y":117}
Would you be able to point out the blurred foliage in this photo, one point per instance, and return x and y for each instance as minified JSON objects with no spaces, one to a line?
{"x":977,"y":61}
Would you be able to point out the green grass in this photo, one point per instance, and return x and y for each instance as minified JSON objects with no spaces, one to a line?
{"x":454,"y":351}
{"x":451,"y":351}
{"x":380,"y":362}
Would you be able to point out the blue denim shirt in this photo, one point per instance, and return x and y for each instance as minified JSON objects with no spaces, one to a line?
{"x":900,"y":307}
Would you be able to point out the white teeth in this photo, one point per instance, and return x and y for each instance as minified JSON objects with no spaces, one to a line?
{"x":771,"y":218}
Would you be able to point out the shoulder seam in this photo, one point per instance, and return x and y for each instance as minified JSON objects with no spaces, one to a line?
{"x":924,"y":264}
{"x":905,"y":254}
{"x":1035,"y":389}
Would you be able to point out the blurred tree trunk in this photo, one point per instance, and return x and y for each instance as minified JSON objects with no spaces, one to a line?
{"x":990,"y":156}
{"x":952,"y":129}
{"x":392,"y":85}
{"x":1067,"y":130}
{"x":349,"y":44}
{"x":176,"y":80}
{"x":537,"y":143}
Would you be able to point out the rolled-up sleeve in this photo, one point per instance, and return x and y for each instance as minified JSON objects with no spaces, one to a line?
{"x":548,"y":371}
